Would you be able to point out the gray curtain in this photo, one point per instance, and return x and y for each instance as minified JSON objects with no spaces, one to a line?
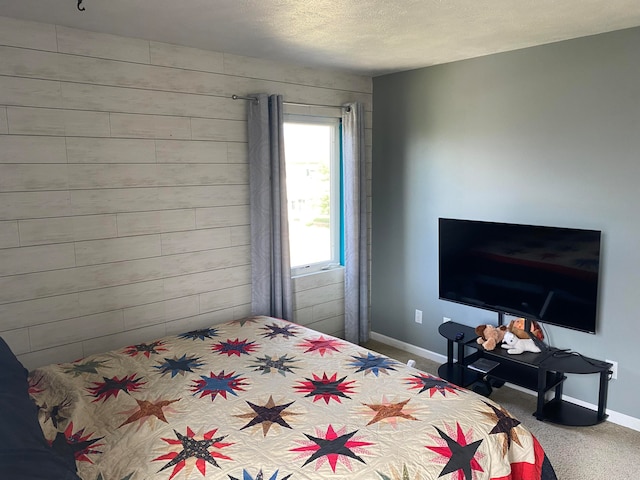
{"x":356,"y":283}
{"x":272,"y":293}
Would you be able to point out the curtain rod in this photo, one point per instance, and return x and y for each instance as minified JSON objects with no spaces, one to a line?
{"x":238,"y":97}
{"x":255,"y":99}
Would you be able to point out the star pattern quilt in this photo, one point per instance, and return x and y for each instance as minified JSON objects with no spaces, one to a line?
{"x":264,"y":399}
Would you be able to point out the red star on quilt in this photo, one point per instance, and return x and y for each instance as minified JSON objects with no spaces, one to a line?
{"x":425,"y":382}
{"x":235,"y":347}
{"x":145,"y":349}
{"x":192,"y":451}
{"x":321,"y":345}
{"x":112,"y":386}
{"x":81,"y":444}
{"x":332,"y":447}
{"x":325,"y":388}
{"x":458,"y":452}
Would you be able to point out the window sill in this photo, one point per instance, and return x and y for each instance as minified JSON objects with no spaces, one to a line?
{"x":327,"y":269}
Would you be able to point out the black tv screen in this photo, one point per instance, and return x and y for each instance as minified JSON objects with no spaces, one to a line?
{"x":548,"y":274}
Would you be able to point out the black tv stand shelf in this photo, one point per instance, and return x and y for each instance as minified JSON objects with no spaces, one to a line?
{"x":539,"y":372}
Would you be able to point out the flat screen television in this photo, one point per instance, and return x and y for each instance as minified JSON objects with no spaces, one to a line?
{"x":547,"y":274}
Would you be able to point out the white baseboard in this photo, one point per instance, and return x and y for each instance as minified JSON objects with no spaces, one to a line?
{"x":423,"y":352}
{"x":614,"y":417}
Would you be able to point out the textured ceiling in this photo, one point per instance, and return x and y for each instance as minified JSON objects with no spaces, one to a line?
{"x":370,"y":37}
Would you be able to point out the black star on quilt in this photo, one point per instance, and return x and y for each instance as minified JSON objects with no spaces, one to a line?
{"x":429,"y":383}
{"x":200,"y":334}
{"x":67,"y":448}
{"x":423,"y":382}
{"x":506,"y":424}
{"x":187,"y":451}
{"x":56,"y":412}
{"x":113,"y":386}
{"x":273,"y":330}
{"x":332,"y":448}
{"x":77,"y":444}
{"x":194,"y":448}
{"x":461,"y":456}
{"x":126,"y":477}
{"x":267,"y":415}
{"x":326,"y":388}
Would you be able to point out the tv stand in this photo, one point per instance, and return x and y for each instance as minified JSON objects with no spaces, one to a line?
{"x":539,"y":372}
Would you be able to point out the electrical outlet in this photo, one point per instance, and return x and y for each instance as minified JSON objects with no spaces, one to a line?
{"x":614,"y":369}
{"x":418,"y":316}
{"x":445,"y":319}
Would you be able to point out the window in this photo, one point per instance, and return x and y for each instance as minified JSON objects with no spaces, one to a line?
{"x":312,"y":155}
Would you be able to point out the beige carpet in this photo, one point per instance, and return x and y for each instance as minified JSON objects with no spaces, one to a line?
{"x":601,"y":452}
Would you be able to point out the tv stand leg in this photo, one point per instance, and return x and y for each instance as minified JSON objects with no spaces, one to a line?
{"x":450,"y":351}
{"x":602,"y":395}
{"x":558,"y":394}
{"x":542,"y":375}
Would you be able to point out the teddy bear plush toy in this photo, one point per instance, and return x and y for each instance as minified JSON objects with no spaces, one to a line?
{"x":517,"y":345}
{"x":490,"y":336}
{"x":517,"y":326}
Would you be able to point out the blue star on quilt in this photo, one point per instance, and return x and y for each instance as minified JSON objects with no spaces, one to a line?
{"x":201,"y":334}
{"x":79,"y":368}
{"x":370,"y":363}
{"x":267,"y":364}
{"x":180,"y":365}
{"x":219,"y":384}
{"x":146,"y":349}
{"x":259,"y":476}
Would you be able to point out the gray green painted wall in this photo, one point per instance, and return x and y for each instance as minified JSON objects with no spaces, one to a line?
{"x":547,"y":135}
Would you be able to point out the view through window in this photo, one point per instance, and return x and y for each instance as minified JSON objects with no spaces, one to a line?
{"x":312,"y":155}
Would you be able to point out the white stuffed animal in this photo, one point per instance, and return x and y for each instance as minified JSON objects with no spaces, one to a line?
{"x":517,"y":345}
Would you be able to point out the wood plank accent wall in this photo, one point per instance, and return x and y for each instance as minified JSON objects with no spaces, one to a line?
{"x":124,"y":189}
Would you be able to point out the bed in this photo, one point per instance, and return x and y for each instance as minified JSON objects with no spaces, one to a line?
{"x":264,"y":399}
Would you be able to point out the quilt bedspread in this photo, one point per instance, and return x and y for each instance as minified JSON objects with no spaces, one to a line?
{"x":262,"y":398}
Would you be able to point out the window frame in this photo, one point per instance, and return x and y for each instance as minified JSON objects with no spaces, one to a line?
{"x":336,"y":194}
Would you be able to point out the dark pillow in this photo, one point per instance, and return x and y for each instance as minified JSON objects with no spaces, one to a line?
{"x":24,"y":452}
